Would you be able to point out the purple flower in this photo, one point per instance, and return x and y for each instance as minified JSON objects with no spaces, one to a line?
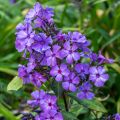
{"x":60,"y":36}
{"x":34,"y":12}
{"x":23,"y":74}
{"x":70,"y":52}
{"x":52,"y":55}
{"x":77,"y":37}
{"x":85,"y":91}
{"x":48,"y":103}
{"x":70,"y":82}
{"x":102,"y":59}
{"x":37,"y":96}
{"x":117,"y":116}
{"x":37,"y":79}
{"x":41,"y":43}
{"x":49,"y":115}
{"x":44,"y":17}
{"x":59,"y":72}
{"x":24,"y":37}
{"x":98,"y":76}
{"x":82,"y":69}
{"x":31,"y":64}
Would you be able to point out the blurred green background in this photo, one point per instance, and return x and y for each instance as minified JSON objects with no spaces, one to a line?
{"x":99,"y":20}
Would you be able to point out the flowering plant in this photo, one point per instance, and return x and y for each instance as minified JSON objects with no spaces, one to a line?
{"x":60,"y":65}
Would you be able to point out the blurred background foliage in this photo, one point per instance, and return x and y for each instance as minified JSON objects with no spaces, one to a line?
{"x":99,"y":20}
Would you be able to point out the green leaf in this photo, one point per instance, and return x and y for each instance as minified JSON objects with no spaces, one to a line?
{"x":118,"y":106}
{"x":8,"y":71}
{"x":69,"y":116}
{"x":91,"y":104}
{"x":6,"y":113}
{"x":15,"y":84}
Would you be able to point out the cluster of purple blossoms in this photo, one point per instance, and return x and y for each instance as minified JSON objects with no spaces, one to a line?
{"x":47,"y":104}
{"x":64,"y":57}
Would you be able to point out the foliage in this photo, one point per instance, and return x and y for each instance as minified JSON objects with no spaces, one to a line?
{"x":98,"y":19}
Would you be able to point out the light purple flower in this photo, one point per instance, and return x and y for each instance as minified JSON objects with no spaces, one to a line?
{"x":78,"y":37}
{"x":85,"y":91}
{"x":50,"y":115}
{"x":37,"y":96}
{"x":59,"y":72}
{"x":23,"y":74}
{"x":98,"y":76}
{"x":52,"y":55}
{"x":48,"y":103}
{"x":34,"y":12}
{"x":70,"y":52}
{"x":24,"y":37}
{"x":37,"y":79}
{"x":31,"y":64}
{"x":117,"y":116}
{"x":82,"y":69}
{"x":41,"y":43}
{"x":70,"y":82}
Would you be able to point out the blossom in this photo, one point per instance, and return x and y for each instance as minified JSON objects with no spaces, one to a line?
{"x":59,"y":72}
{"x":98,"y":76}
{"x":70,"y":82}
{"x":22,"y":73}
{"x":50,"y":115}
{"x":85,"y":91}
{"x":41,"y":43}
{"x":117,"y":116}
{"x":82,"y":69}
{"x":37,"y":96}
{"x":25,"y":37}
{"x":48,"y":103}
{"x":37,"y":79}
{"x":70,"y":52}
{"x":52,"y":55}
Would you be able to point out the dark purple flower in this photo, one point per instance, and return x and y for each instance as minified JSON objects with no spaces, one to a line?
{"x":98,"y":76}
{"x":59,"y":72}
{"x":85,"y":91}
{"x":52,"y":55}
{"x":82,"y":69}
{"x":37,"y":96}
{"x":37,"y":79}
{"x":41,"y":43}
{"x":49,"y":115}
{"x":70,"y":82}
{"x":70,"y":52}
{"x":23,"y":74}
{"x":60,"y":36}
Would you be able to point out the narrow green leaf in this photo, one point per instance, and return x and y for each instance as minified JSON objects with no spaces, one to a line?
{"x":69,"y":116}
{"x":91,"y":104}
{"x":118,"y":106}
{"x":6,"y":113}
{"x":8,"y":71}
{"x":15,"y":84}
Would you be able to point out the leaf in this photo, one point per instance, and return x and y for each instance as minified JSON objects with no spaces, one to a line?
{"x":15,"y":84}
{"x":69,"y":116}
{"x":118,"y":106}
{"x":6,"y":113}
{"x":8,"y":71}
{"x":91,"y":104}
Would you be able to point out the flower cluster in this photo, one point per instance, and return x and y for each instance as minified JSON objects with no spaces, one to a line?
{"x":47,"y":103}
{"x":113,"y":117}
{"x":64,"y":57}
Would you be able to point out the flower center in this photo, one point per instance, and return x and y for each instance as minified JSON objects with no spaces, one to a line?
{"x":70,"y":51}
{"x":49,"y":104}
{"x":97,"y":75}
{"x":59,"y":71}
